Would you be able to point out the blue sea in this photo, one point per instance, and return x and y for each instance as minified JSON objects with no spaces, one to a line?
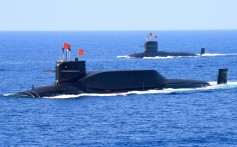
{"x":184,"y":117}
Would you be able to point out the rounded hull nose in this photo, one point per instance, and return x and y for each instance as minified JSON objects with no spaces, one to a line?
{"x":52,"y":90}
{"x":28,"y":93}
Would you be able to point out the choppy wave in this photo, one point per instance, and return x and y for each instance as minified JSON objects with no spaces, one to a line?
{"x":13,"y":62}
{"x":213,"y":86}
{"x":2,"y":69}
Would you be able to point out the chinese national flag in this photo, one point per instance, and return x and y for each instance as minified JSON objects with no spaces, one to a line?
{"x":66,"y":46}
{"x":80,"y":52}
{"x":156,"y":36}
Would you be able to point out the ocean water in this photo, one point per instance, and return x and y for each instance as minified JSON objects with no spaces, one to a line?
{"x":184,"y":117}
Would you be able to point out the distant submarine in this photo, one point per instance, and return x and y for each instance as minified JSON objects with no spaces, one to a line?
{"x":72,"y":78}
{"x":151,"y":50}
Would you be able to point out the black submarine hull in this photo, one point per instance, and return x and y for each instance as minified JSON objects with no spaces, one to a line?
{"x":162,"y":54}
{"x":113,"y":82}
{"x":151,"y":50}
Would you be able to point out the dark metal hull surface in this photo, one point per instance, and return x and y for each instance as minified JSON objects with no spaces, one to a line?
{"x":161,"y":54}
{"x":113,"y":82}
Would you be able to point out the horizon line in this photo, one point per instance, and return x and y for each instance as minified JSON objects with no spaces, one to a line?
{"x":117,"y":30}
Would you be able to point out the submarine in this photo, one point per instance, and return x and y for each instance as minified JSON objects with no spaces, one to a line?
{"x":73,"y":78}
{"x":151,"y":50}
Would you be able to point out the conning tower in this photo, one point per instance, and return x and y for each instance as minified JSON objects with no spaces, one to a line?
{"x":151,"y":47}
{"x":69,"y":71}
{"x":203,"y":50}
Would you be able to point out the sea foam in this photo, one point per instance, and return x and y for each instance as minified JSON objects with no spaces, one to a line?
{"x":213,"y":86}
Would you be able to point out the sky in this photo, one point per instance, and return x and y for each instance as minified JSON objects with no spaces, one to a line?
{"x":90,"y":15}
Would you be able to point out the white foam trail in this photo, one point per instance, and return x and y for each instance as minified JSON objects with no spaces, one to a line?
{"x":8,"y":94}
{"x":214,"y":85}
{"x":157,"y":57}
{"x":169,"y":57}
{"x":87,"y":94}
{"x":198,"y":55}
{"x":123,"y":57}
{"x":111,"y":94}
{"x":213,"y":55}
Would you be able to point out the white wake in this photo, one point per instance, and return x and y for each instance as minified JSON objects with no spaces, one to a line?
{"x":198,"y":55}
{"x":123,"y":56}
{"x":213,"y":86}
{"x":213,"y":55}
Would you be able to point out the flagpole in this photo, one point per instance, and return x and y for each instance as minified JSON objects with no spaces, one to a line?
{"x":63,"y":53}
{"x":69,"y":54}
{"x":66,"y":56}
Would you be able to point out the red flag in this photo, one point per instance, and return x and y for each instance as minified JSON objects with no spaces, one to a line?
{"x":80,"y":52}
{"x":67,"y":46}
{"x":156,"y":36}
{"x":150,"y":33}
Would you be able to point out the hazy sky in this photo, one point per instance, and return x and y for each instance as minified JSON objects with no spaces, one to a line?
{"x":117,"y":14}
